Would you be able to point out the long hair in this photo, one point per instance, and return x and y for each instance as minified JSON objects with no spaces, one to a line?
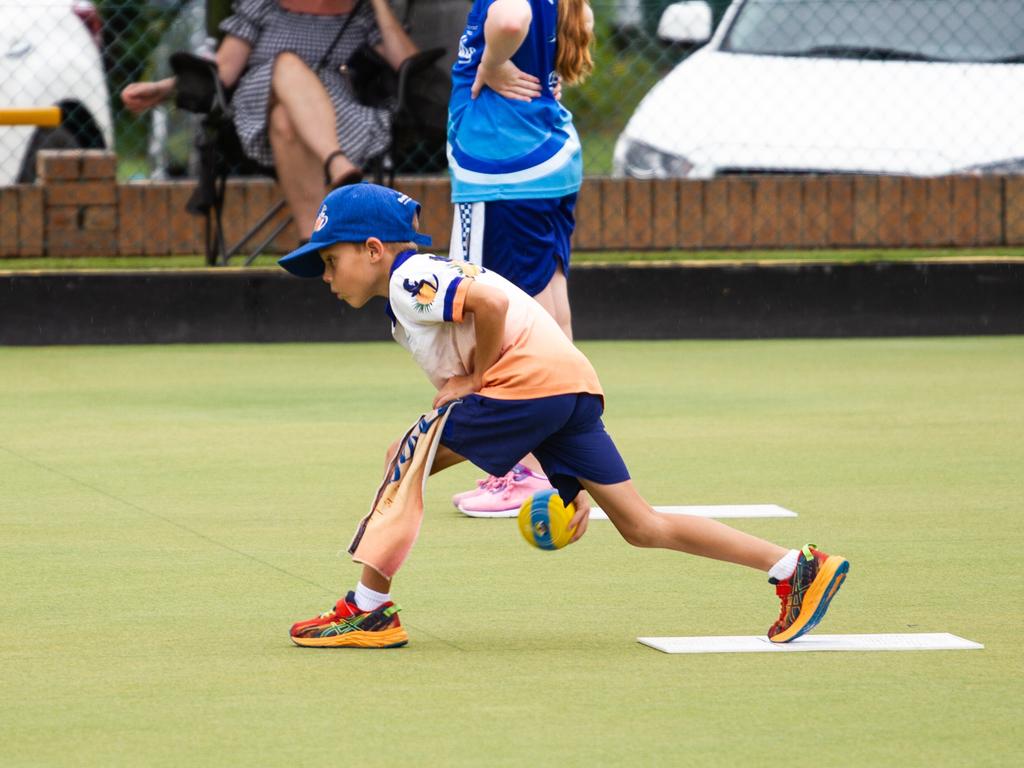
{"x":573,"y":61}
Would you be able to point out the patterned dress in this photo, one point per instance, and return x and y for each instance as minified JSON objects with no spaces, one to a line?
{"x":363,"y":132}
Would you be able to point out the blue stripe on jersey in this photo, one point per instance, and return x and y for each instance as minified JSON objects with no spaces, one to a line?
{"x":558,"y":184}
{"x":449,"y":299}
{"x":545,"y":151}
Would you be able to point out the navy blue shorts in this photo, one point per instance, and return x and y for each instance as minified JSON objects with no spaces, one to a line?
{"x":524,"y":241}
{"x":564,"y":432}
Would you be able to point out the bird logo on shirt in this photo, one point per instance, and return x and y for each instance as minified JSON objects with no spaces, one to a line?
{"x":423,"y":292}
{"x":466,"y":269}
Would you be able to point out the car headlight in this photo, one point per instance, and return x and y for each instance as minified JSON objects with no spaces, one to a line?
{"x":1012,"y":165}
{"x":642,"y":161}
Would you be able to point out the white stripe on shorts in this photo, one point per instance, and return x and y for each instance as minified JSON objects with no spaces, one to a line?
{"x":468,"y":232}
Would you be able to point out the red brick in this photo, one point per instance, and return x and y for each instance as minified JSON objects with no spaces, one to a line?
{"x":939,"y":211}
{"x":790,"y":201}
{"x":890,"y":211}
{"x":1014,"y":221}
{"x":613,"y":214}
{"x":965,"y":210}
{"x":8,"y":221}
{"x":76,"y":242}
{"x":865,"y":211}
{"x":186,"y":229}
{"x":130,"y":222}
{"x":288,"y":240}
{"x":100,"y":218}
{"x":741,"y":211}
{"x":98,"y":164}
{"x":58,"y":164}
{"x":156,"y":219}
{"x":915,"y":202}
{"x":259,"y":194}
{"x":437,"y":211}
{"x":63,"y":217}
{"x":281,"y":242}
{"x":81,"y":193}
{"x":990,"y":211}
{"x":257,"y":204}
{"x":716,"y":213}
{"x":690,"y":232}
{"x":766,"y":211}
{"x":587,"y":236}
{"x":665,"y":214}
{"x":30,"y":220}
{"x":815,"y":227}
{"x":411,"y":186}
{"x":639,"y":215}
{"x":233,"y":214}
{"x":840,"y":211}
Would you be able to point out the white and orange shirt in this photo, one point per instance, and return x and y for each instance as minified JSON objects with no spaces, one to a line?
{"x":426,"y":298}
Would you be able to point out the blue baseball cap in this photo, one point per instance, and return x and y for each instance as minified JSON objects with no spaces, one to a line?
{"x":351,"y":214}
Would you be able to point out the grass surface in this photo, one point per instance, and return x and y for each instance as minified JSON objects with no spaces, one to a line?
{"x":167,"y":512}
{"x":65,"y":264}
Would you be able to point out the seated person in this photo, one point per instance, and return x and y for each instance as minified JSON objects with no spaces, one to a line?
{"x":307,"y":124}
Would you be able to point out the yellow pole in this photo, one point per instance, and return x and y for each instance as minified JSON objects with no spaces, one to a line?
{"x":45,"y":117}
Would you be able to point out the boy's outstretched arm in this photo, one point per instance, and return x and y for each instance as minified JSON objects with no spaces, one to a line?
{"x":489,"y":306}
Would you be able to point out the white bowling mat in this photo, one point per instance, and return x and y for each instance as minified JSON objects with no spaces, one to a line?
{"x":718,"y":510}
{"x":924,"y":641}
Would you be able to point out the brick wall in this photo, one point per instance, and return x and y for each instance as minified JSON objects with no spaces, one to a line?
{"x":78,"y":209}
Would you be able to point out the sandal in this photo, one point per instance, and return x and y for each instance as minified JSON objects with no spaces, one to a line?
{"x":352,"y":177}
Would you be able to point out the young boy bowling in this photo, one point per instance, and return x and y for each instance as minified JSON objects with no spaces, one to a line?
{"x":521,"y":387}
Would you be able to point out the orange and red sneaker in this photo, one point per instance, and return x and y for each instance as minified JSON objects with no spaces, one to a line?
{"x":807,"y":593}
{"x":348,"y":627}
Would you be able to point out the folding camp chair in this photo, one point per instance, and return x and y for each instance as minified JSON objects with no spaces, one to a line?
{"x":220,"y":155}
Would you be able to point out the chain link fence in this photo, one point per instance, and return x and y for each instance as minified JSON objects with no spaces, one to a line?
{"x":919,"y":87}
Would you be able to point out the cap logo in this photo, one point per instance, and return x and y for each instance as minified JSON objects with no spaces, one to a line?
{"x":403,"y":198}
{"x":321,"y":219}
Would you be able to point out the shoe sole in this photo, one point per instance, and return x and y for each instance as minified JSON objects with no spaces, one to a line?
{"x":395,"y":637}
{"x":480,"y":513}
{"x":826,"y":584}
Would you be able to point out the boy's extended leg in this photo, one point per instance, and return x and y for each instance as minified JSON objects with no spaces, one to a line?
{"x":805,"y":594}
{"x":642,"y":526}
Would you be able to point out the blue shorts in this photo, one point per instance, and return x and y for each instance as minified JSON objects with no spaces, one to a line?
{"x":524,"y":241}
{"x":564,"y":432}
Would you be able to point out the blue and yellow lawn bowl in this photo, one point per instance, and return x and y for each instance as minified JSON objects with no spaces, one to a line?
{"x":544,"y":520}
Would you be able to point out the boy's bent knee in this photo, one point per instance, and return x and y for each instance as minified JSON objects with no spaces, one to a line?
{"x":644,"y":532}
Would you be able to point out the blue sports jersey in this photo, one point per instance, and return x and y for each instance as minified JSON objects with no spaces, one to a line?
{"x":502,"y":149}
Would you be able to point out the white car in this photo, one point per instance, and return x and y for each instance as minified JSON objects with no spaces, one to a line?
{"x":50,"y":56}
{"x":920,"y":87}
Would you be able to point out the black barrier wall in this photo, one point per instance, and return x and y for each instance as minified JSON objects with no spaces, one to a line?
{"x":609,"y":302}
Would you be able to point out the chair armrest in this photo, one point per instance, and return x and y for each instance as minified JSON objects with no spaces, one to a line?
{"x":198,"y":86}
{"x":416,"y":63}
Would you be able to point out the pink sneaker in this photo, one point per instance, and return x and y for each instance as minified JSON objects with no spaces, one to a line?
{"x":481,"y":485}
{"x":504,"y":497}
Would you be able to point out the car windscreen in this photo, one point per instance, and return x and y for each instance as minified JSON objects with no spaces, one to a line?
{"x":922,"y":30}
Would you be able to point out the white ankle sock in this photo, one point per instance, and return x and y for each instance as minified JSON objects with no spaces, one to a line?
{"x":783,"y":569}
{"x":368,"y":599}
